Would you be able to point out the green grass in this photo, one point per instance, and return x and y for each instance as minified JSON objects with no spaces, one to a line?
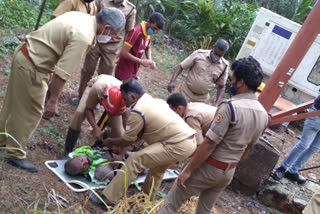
{"x":20,"y":14}
{"x":54,"y":133}
{"x":167,"y":52}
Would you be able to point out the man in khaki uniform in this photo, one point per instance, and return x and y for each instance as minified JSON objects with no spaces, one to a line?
{"x":106,"y":52}
{"x":57,"y":47}
{"x":237,"y":126}
{"x":170,"y":140}
{"x":84,"y":6}
{"x":313,"y":207}
{"x":197,"y":115}
{"x":206,"y":69}
{"x":94,"y":94}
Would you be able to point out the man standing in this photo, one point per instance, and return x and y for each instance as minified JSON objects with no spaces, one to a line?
{"x":57,"y":47}
{"x":197,"y":115}
{"x":107,"y":51}
{"x":102,"y":89}
{"x":137,"y":43}
{"x":170,"y":140}
{"x":237,"y":126}
{"x":303,"y":150}
{"x":206,"y":69}
{"x":84,"y":6}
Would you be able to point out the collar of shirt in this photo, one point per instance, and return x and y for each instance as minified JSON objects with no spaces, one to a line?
{"x":144,"y":30}
{"x":250,"y":96}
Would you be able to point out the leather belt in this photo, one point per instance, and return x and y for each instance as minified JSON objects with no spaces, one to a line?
{"x":24,"y":51}
{"x":220,"y":165}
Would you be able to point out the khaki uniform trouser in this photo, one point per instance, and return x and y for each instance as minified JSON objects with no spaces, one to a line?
{"x":114,"y":121}
{"x":206,"y":180}
{"x":23,"y":104}
{"x":107,"y":53}
{"x":192,"y":97}
{"x":157,"y":157}
{"x":313,"y":207}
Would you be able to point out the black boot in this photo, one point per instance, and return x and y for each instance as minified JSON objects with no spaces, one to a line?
{"x":71,"y":141}
{"x":279,"y":173}
{"x":295,"y":177}
{"x":22,"y":164}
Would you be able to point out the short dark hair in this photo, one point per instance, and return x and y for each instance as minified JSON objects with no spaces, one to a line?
{"x":158,"y":19}
{"x":177,"y":99}
{"x":249,"y":70}
{"x":71,"y":169}
{"x":132,"y":86}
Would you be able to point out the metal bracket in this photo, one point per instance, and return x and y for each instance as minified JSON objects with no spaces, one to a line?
{"x":281,"y":84}
{"x":291,"y":70}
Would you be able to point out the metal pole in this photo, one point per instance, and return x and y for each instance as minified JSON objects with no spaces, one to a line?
{"x":292,"y":58}
{"x":40,"y":14}
{"x":314,"y":167}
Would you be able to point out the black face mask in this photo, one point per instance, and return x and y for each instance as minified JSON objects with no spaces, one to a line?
{"x":88,"y":1}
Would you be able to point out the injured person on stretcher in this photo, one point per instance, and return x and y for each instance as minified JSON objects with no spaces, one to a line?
{"x":95,"y":164}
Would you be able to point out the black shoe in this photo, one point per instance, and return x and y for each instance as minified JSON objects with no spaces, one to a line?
{"x":94,"y":199}
{"x":22,"y":164}
{"x":279,"y":173}
{"x":295,"y":177}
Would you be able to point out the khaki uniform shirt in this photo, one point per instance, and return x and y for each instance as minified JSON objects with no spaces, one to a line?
{"x":199,"y":117}
{"x":203,"y":74}
{"x":59,"y":45}
{"x":97,"y":87}
{"x":129,"y":11}
{"x":161,"y":123}
{"x":233,"y":137}
{"x":75,"y":5}
{"x":313,"y":205}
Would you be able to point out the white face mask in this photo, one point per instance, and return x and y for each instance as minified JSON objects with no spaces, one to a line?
{"x":103,"y":38}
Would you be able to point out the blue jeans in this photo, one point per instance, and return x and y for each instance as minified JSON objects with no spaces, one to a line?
{"x":307,"y":146}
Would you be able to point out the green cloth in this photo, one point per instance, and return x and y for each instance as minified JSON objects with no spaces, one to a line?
{"x":94,"y":154}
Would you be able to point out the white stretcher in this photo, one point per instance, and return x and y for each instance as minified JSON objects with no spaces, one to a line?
{"x":57,"y":167}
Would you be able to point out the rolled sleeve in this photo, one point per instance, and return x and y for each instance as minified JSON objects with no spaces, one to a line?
{"x":93,"y":98}
{"x":220,"y":124}
{"x":71,"y":58}
{"x":133,"y":127}
{"x":222,"y":81}
{"x":194,"y":123}
{"x":189,"y":61}
{"x":131,"y":21}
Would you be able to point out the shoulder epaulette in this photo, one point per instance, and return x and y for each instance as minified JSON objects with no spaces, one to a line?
{"x":229,"y":103}
{"x":225,"y":61}
{"x":202,"y":51}
{"x":144,"y":121}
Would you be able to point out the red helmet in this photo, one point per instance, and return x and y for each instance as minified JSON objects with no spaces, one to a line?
{"x":112,"y":100}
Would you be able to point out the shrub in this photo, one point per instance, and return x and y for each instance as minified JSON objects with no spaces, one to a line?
{"x":20,"y":14}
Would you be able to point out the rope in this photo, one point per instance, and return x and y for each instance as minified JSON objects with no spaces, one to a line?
{"x":12,"y":148}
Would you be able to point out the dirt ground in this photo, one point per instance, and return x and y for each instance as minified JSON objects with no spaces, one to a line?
{"x":22,"y":192}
